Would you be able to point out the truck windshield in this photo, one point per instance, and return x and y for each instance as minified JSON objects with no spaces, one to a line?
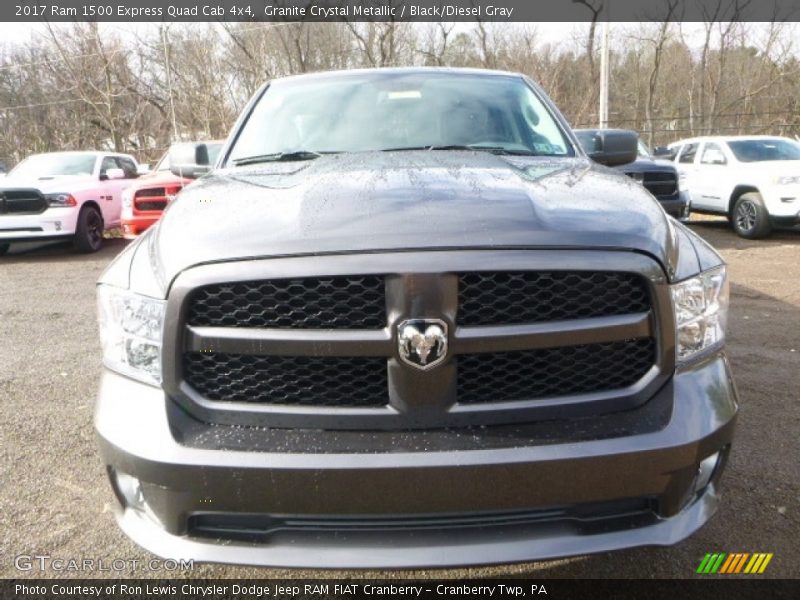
{"x":761,"y":150}
{"x":302,"y":118}
{"x":50,"y":165}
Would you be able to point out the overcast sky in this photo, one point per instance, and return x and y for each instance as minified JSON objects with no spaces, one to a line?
{"x":22,"y":32}
{"x":556,"y":33}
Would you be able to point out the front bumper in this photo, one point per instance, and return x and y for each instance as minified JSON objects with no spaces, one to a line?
{"x":137,"y":224}
{"x":398,"y":508}
{"x":782,"y":204}
{"x":677,"y":206}
{"x":785,"y":221}
{"x":53,"y":223}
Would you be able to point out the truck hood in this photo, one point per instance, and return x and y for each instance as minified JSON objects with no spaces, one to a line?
{"x":646,"y":165}
{"x":159,"y":178}
{"x":392,"y":201}
{"x":50,"y":184}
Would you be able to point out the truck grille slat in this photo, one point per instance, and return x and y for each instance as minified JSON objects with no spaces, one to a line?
{"x":332,"y":358}
{"x":552,"y":372}
{"x":662,"y":184}
{"x":288,"y":380}
{"x":510,"y":298}
{"x":154,"y":199}
{"x":151,"y":204}
{"x":350,"y":302}
{"x":22,"y":202}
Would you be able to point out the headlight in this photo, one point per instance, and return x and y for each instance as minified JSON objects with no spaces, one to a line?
{"x":127,"y":198}
{"x":131,"y":328}
{"x":788,"y":180}
{"x":59,"y":199}
{"x":701,"y":312}
{"x":127,"y":204}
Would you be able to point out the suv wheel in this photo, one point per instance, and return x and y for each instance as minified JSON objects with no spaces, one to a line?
{"x":89,"y":232}
{"x":750,"y":218}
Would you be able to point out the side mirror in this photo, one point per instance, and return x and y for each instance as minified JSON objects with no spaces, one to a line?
{"x":114,"y":174}
{"x":189,"y":160}
{"x":610,"y":147}
{"x":665,"y":153}
{"x":143,"y":169}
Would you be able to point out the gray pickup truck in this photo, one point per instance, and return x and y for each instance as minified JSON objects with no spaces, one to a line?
{"x":659,"y":177}
{"x":407,"y":322}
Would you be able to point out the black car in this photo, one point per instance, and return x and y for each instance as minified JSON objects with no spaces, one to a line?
{"x":659,"y":177}
{"x":407,"y":322}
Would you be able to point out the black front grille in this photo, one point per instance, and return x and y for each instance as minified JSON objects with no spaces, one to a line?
{"x":288,"y":380}
{"x":22,"y":202}
{"x":551,"y":372}
{"x":348,"y":302}
{"x":343,"y":303}
{"x":660,"y":184}
{"x":157,"y":192}
{"x":151,"y":204}
{"x":509,"y":298}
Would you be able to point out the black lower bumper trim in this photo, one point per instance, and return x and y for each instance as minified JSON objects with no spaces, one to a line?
{"x":34,"y":239}
{"x":585,"y":518}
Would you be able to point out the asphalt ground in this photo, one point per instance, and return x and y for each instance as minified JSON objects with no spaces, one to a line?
{"x":55,"y":500}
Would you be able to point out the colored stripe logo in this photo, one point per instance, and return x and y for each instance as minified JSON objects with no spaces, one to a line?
{"x":738,"y":562}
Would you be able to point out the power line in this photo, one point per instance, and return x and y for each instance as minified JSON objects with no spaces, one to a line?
{"x":698,"y":117}
{"x":714,"y":130}
{"x":57,"y":102}
{"x":52,"y":58}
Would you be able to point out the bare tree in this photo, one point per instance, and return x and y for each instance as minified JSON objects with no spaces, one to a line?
{"x":82,"y":86}
{"x":381,"y":44}
{"x":434,"y":47}
{"x":592,"y":98}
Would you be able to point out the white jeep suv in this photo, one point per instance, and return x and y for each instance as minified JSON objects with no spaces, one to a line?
{"x":64,"y":195}
{"x":753,"y":180}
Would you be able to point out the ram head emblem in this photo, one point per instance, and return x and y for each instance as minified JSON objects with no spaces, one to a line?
{"x":422,"y":343}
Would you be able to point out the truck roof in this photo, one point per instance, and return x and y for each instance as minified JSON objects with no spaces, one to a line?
{"x":725,"y":138}
{"x":406,"y":70}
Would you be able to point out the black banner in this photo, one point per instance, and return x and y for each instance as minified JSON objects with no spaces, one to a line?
{"x":399,"y":10}
{"x":424,"y":589}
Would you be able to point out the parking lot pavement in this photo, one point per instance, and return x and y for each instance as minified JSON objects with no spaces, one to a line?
{"x":54,"y":499}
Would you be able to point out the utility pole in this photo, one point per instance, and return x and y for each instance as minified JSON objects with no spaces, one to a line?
{"x":169,"y":83}
{"x":603,"y":110}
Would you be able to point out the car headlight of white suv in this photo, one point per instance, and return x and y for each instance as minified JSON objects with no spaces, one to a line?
{"x":131,"y":329}
{"x":701,"y":312}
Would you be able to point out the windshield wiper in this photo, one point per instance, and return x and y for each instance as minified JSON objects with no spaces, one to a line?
{"x":472,"y":147}
{"x":492,"y":149}
{"x":278,"y":157}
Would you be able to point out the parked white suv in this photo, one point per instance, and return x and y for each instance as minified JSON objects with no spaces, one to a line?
{"x":753,"y":180}
{"x":64,"y":195}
